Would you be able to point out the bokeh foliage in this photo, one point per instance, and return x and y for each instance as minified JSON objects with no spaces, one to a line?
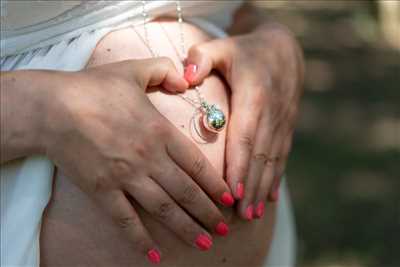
{"x":344,"y":171}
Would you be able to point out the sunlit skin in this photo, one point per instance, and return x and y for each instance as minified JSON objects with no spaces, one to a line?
{"x":73,"y":224}
{"x":115,"y":146}
{"x":264,"y":70}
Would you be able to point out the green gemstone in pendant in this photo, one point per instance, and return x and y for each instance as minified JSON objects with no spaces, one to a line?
{"x":214,"y":119}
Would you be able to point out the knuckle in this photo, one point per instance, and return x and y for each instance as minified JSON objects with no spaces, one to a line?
{"x":141,"y":149}
{"x":164,"y":211}
{"x":246,"y":142}
{"x":198,"y":166}
{"x":125,"y":222}
{"x":159,"y":128}
{"x":189,"y":195}
{"x":261,"y":158}
{"x":120,"y":167}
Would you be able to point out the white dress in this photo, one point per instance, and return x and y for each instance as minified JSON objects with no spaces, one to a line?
{"x":61,"y":35}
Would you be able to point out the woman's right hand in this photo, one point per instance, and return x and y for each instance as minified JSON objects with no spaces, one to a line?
{"x":104,"y":133}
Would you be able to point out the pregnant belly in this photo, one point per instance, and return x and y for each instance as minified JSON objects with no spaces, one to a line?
{"x":76,"y":233}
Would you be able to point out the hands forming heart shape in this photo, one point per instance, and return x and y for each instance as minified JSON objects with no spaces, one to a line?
{"x":264,"y":70}
{"x":126,"y":147}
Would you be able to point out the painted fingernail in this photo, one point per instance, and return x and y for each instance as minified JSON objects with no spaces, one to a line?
{"x":222,"y":229}
{"x":154,"y":256}
{"x":260,"y":209}
{"x":227,"y":199}
{"x":203,"y":242}
{"x":240,"y":190}
{"x":249,"y":212}
{"x":274,"y":195}
{"x":190,"y":72}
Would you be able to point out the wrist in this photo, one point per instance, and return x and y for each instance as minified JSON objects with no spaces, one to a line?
{"x":49,"y":106}
{"x":23,"y":113}
{"x":284,"y":43}
{"x":276,"y":29}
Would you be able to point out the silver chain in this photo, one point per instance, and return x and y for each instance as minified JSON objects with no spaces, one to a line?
{"x":146,"y":40}
{"x":180,"y":21}
{"x":200,"y":102}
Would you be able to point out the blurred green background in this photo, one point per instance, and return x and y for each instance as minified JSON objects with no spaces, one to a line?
{"x":344,"y":170}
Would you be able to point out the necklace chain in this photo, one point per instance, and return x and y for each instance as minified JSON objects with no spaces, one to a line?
{"x":180,"y":21}
{"x":200,"y":102}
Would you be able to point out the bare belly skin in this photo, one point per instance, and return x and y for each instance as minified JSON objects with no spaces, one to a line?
{"x":75,"y":232}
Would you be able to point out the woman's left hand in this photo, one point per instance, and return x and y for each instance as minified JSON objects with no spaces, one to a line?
{"x":264,"y":70}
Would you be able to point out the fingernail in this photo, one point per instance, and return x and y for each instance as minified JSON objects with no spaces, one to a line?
{"x":203,"y":242}
{"x":154,"y":256}
{"x":249,"y":212}
{"x":227,"y":199}
{"x":240,"y":190}
{"x":274,"y":195}
{"x":190,"y":72}
{"x":260,"y":209}
{"x":222,"y":229}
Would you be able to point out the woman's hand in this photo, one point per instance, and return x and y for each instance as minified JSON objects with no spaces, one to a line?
{"x":264,"y":70}
{"x":105,"y":134}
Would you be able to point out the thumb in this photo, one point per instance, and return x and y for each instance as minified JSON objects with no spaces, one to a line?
{"x":159,"y":71}
{"x":203,"y":58}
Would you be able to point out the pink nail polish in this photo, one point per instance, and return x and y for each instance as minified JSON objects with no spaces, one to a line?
{"x":190,"y":72}
{"x":203,"y":242}
{"x":249,"y":212}
{"x":154,"y":256}
{"x":274,"y":195}
{"x":240,"y":190}
{"x":227,"y":199}
{"x":222,"y":229}
{"x":260,"y":209}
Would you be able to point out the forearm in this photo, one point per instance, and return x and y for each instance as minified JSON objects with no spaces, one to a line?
{"x":22,"y":112}
{"x":249,"y":18}
{"x":246,"y":19}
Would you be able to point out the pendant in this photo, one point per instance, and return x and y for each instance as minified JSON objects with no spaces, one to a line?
{"x":213,"y":118}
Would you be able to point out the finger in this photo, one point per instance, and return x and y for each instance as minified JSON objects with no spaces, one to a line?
{"x":273,"y":195}
{"x":269,"y":171}
{"x":188,"y":157}
{"x":202,"y":58}
{"x":240,"y":140}
{"x":159,"y":71}
{"x":190,"y":196}
{"x":160,"y":205}
{"x":117,"y":205}
{"x":259,"y":160}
